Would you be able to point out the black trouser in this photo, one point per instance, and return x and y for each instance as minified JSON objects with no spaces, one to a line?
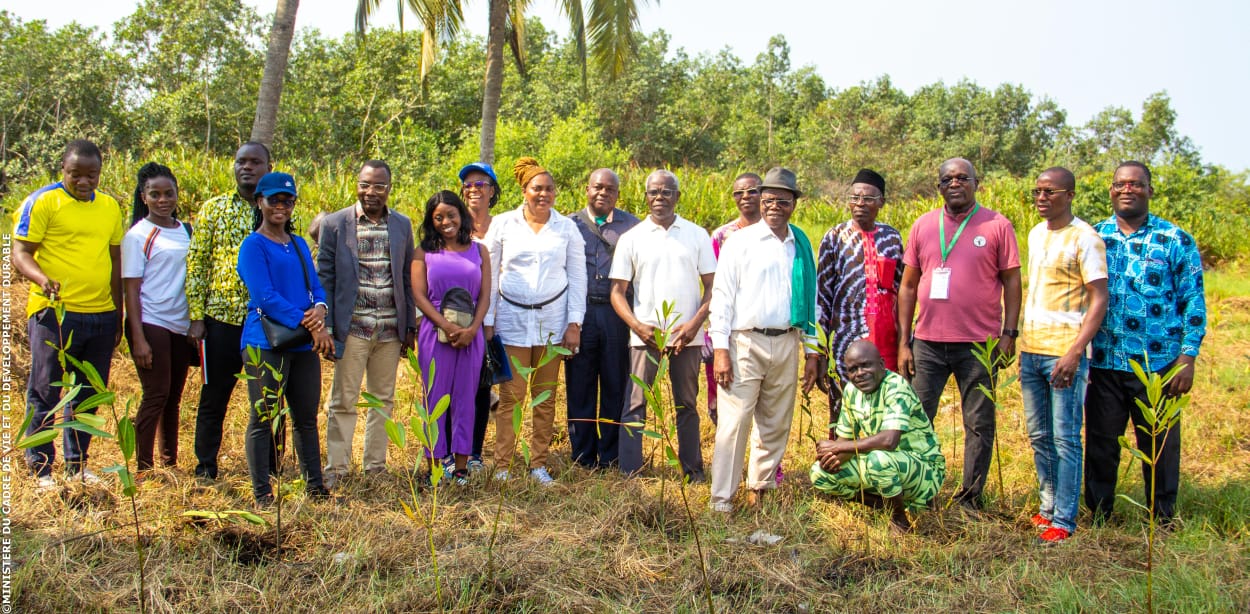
{"x":935,"y":363}
{"x":595,"y":380}
{"x":162,"y":395}
{"x":222,"y":363}
{"x":1109,"y":405}
{"x":301,"y":391}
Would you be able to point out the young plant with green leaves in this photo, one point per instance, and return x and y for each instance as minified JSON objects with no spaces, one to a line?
{"x":551,"y":352}
{"x":1161,"y":413}
{"x":87,"y":421}
{"x":664,"y":429}
{"x":271,"y":407}
{"x":423,"y":428}
{"x":994,"y":363}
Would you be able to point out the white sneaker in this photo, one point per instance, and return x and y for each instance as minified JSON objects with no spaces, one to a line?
{"x":86,"y":476}
{"x":502,"y":475}
{"x":541,"y":476}
{"x":723,"y":507}
{"x":45,"y":483}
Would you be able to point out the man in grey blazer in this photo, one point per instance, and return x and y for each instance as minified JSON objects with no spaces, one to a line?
{"x":363,"y":261}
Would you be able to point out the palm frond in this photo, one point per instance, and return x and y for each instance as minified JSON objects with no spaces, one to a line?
{"x":516,"y":34}
{"x":440,"y":23}
{"x":364,"y":13}
{"x":610,"y":34}
{"x":577,"y":31}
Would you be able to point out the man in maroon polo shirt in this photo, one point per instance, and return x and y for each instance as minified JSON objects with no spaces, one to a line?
{"x":963,"y":268}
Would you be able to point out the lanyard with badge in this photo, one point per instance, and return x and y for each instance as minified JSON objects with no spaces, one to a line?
{"x":940,"y":284}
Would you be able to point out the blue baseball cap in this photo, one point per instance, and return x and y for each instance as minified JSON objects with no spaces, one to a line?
{"x":480,"y":167}
{"x":276,"y":183}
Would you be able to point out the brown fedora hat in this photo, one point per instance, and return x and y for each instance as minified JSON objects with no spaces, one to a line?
{"x":781,"y":178}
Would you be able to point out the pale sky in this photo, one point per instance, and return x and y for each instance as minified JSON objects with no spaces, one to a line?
{"x":1084,"y":55}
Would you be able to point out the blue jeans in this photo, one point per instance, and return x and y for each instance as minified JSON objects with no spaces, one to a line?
{"x":1054,"y":418}
{"x":91,"y":339}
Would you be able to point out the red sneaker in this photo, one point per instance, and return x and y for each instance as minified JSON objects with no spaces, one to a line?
{"x":1040,"y":521}
{"x":1053,"y":535}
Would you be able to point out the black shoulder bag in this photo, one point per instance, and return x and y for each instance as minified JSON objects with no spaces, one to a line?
{"x":281,"y":337}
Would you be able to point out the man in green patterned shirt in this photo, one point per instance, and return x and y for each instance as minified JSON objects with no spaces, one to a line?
{"x":885,"y":451}
{"x":218,"y":298}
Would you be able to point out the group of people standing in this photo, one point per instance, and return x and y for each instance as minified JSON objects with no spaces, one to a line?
{"x":242,"y":292}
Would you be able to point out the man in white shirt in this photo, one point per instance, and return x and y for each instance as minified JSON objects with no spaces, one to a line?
{"x":668,"y":260}
{"x":762,"y":311}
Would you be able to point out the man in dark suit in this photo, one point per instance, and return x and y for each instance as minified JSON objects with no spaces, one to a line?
{"x":363,"y":261}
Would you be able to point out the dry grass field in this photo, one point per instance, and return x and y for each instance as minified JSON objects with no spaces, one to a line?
{"x":599,"y":543}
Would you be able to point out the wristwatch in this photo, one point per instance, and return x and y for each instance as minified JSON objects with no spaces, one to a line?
{"x":1011,"y":332}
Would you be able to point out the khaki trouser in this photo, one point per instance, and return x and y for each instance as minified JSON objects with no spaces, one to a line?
{"x":765,"y":377}
{"x":377,"y":362}
{"x":544,"y":414}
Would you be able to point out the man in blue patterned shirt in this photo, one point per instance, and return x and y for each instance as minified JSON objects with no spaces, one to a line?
{"x":1157,"y":317}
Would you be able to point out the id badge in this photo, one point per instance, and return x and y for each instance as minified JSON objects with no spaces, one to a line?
{"x":940,"y":284}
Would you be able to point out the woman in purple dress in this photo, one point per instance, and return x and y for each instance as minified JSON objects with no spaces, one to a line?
{"x":448,"y":260}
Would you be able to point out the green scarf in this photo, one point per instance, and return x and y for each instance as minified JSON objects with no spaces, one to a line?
{"x":803,"y":284}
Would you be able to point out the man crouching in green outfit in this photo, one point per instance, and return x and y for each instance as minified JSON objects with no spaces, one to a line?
{"x":885,"y":452}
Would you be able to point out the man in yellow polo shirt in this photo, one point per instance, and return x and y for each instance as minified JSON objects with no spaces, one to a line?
{"x":67,"y":242}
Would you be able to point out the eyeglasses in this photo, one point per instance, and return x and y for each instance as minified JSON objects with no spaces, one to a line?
{"x":1127,"y":186}
{"x":962,"y":179}
{"x":1047,"y":191}
{"x":479,"y":184}
{"x":776,"y":202}
{"x":665,"y":192}
{"x":365,"y":186}
{"x":746,"y":192}
{"x":864,"y":200}
{"x":282,"y":203}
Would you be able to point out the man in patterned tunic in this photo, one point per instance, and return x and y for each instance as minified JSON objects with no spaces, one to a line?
{"x":1156,"y":313}
{"x":858,"y":274}
{"x":885,"y":451}
{"x":218,"y":299}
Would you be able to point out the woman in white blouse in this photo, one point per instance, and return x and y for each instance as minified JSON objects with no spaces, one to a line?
{"x":538,"y":297}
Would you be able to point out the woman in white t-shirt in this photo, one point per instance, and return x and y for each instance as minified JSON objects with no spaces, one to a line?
{"x":154,"y":271}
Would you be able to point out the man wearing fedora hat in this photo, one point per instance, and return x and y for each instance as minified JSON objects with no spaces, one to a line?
{"x":756,"y":343}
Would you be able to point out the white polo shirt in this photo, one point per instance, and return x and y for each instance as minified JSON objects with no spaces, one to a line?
{"x":664,"y":265}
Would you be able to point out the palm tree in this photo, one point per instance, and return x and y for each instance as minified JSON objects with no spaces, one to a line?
{"x":605,"y":27}
{"x":275,"y":70}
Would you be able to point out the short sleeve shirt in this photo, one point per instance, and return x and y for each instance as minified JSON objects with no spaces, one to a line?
{"x":74,"y":237}
{"x":892,"y":407}
{"x":1061,"y":263}
{"x":665,"y":265}
{"x":973,"y":309}
{"x":158,"y":256}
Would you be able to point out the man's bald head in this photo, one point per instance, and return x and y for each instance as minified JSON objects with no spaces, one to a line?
{"x":864,"y":366}
{"x":603,"y":188}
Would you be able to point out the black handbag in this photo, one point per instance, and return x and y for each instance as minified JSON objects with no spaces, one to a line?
{"x":281,"y":337}
{"x":495,"y":367}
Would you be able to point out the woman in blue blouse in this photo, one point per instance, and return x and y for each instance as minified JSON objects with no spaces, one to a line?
{"x":277,"y":269}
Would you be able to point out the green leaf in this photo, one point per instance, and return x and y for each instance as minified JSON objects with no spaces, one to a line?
{"x":100,"y":398}
{"x":38,"y":439}
{"x":126,"y":437}
{"x":249,"y":516}
{"x":543,"y":396}
{"x":652,"y":434}
{"x":83,"y":428}
{"x":1141,"y":456}
{"x":89,"y":370}
{"x":370,"y":401}
{"x":436,"y":471}
{"x":989,"y":394}
{"x":559,"y":350}
{"x":93,"y":420}
{"x":395,"y":434}
{"x":1133,"y":501}
{"x":1147,"y":412}
{"x":440,"y":408}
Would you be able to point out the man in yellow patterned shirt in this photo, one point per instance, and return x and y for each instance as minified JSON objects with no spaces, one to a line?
{"x":1066,"y":302}
{"x":218,"y":298}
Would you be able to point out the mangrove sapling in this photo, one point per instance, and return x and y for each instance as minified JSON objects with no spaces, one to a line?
{"x":1161,"y":412}
{"x":86,"y":421}
{"x":424,"y":428}
{"x":994,"y":362}
{"x":271,"y":407}
{"x":664,"y":429}
{"x":551,"y":352}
